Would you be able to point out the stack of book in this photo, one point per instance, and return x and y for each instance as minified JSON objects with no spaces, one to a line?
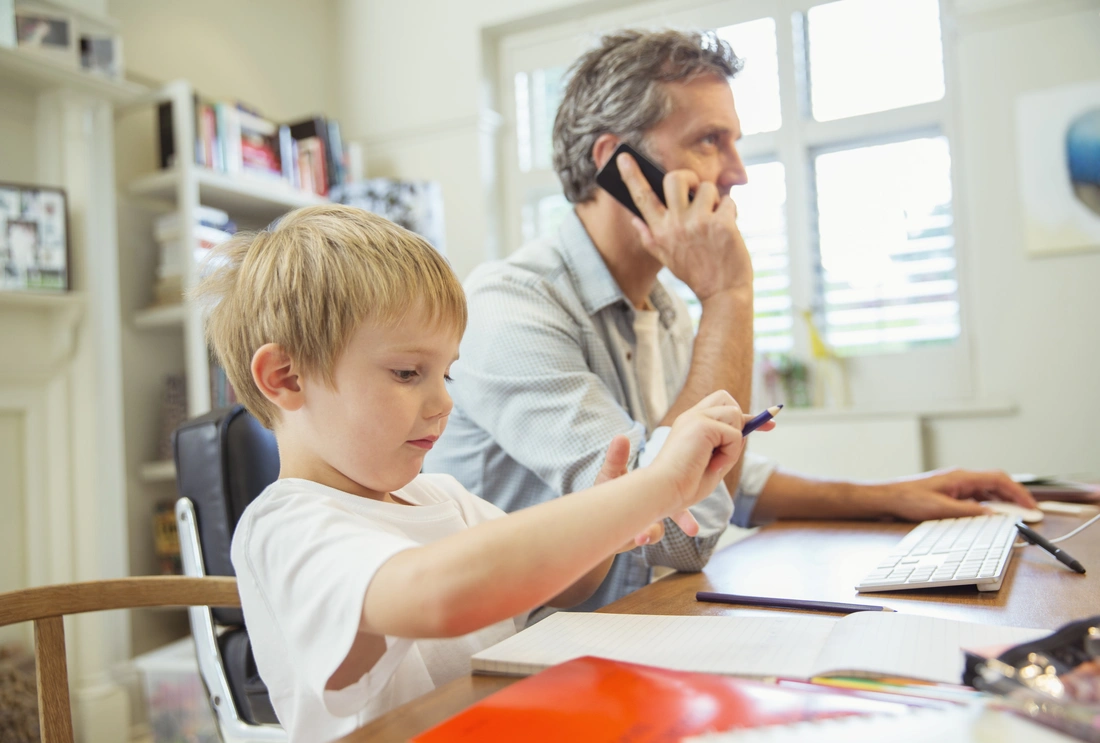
{"x":231,"y":138}
{"x":212,"y":226}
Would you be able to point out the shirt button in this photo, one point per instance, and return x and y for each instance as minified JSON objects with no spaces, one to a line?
{"x":629,"y":355}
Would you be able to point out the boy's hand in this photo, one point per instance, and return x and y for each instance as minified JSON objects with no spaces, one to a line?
{"x":703,"y":446}
{"x":614,"y":465}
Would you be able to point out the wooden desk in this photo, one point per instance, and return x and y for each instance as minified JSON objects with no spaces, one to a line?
{"x":816,"y":560}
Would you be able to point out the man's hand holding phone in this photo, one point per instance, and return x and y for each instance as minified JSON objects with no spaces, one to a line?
{"x":694,"y":233}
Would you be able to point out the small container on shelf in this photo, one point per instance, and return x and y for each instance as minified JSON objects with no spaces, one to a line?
{"x":173,"y":412}
{"x":166,"y":539}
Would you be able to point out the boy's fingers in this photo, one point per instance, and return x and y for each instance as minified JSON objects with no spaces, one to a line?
{"x":686,"y":522}
{"x":724,"y":457}
{"x":616,"y":460}
{"x":654,"y":533}
{"x":763,"y":426}
{"x":644,"y":198}
{"x":718,"y":397}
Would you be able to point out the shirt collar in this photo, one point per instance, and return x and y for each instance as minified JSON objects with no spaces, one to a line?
{"x":595,"y":285}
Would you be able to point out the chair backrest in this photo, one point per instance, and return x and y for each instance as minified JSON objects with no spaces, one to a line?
{"x":224,"y":459}
{"x":47,"y":606}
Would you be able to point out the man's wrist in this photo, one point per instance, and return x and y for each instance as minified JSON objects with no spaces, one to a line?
{"x":869,"y":500}
{"x":728,"y":298}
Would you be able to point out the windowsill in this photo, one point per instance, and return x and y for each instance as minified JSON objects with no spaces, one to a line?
{"x":957,"y":409}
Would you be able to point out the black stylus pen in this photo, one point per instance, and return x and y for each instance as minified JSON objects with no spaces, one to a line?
{"x":1059,"y":554}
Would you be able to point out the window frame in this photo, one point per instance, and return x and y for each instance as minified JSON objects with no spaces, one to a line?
{"x":908,"y":378}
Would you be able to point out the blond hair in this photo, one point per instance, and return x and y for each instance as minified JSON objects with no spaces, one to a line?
{"x":307,"y":282}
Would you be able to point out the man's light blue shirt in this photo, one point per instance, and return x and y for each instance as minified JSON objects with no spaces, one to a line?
{"x":546,"y":377}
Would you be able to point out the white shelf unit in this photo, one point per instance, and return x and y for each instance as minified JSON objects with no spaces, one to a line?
{"x":169,"y":338}
{"x":30,"y":72}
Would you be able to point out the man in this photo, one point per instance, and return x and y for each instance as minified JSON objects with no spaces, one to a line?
{"x":572,"y":340}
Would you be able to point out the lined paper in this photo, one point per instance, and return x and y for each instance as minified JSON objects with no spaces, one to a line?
{"x":791,"y":645}
{"x":744,"y":646}
{"x":927,"y":648}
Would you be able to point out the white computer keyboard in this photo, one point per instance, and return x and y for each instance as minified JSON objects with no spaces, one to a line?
{"x":948,"y":552}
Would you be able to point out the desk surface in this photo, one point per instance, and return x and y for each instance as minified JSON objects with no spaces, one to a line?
{"x":817,"y":560}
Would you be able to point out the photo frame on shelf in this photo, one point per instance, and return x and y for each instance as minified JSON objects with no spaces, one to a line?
{"x":101,"y":54}
{"x":46,"y":32}
{"x":34,"y":238}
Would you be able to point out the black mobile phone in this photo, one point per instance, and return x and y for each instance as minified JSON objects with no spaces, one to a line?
{"x":612,"y":181}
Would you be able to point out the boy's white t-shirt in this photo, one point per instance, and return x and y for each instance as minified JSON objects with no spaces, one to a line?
{"x":304,"y":555}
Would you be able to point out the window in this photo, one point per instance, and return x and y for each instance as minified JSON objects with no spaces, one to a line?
{"x":886,"y":245}
{"x":848,"y":213}
{"x":870,"y":55}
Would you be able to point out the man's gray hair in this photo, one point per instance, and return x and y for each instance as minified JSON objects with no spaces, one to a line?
{"x":618,"y":88}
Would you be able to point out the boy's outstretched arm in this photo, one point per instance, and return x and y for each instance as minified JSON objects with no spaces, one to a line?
{"x":501,"y":568}
{"x":615,"y":464}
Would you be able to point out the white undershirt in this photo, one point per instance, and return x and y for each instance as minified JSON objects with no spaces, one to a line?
{"x":647,"y":362}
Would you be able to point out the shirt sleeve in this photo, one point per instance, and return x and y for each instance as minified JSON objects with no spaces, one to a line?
{"x":754,"y":475}
{"x":523,"y":378}
{"x":308,"y":568}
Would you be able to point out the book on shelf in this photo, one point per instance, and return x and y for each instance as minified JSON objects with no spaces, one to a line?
{"x":599,"y":700}
{"x":212,"y":227}
{"x":234,"y":139}
{"x":321,"y":153}
{"x":795,"y":646}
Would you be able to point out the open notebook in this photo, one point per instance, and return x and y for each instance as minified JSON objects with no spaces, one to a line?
{"x":789,"y":646}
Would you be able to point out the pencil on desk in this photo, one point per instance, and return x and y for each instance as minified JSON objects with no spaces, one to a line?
{"x":779,"y":603}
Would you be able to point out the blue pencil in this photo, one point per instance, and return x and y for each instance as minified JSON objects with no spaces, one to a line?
{"x":761,"y":419}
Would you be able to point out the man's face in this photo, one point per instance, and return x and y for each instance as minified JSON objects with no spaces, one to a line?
{"x":700,"y":133}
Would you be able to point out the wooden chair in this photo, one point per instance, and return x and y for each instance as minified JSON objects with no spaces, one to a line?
{"x":47,"y":606}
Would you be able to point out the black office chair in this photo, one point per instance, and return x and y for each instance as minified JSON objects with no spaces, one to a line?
{"x":224,"y":459}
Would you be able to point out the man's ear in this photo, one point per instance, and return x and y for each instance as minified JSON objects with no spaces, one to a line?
{"x":603,"y":148}
{"x":276,"y":376}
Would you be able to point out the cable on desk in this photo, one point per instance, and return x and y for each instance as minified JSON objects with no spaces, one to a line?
{"x":1064,"y":537}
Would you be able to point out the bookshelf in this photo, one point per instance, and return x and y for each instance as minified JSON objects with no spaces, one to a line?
{"x":167,"y":339}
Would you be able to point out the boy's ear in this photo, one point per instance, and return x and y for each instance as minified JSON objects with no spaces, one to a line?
{"x":276,"y":376}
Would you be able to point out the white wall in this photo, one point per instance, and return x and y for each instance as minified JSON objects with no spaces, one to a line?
{"x":276,"y":55}
{"x":412,"y":88}
{"x":1037,"y":320}
{"x":411,"y":92}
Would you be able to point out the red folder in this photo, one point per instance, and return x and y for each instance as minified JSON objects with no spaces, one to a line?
{"x":594,"y":700}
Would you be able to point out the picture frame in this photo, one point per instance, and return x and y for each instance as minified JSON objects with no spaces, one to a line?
{"x":47,"y":33}
{"x":34,"y":238}
{"x":101,"y":54}
{"x":1057,"y":136}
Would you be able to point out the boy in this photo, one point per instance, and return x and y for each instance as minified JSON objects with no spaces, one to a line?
{"x":365,"y":584}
